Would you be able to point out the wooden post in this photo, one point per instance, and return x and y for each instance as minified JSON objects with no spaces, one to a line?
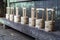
{"x":37,"y":13}
{"x":43,"y":15}
{"x":32,"y":19}
{"x":52,"y":18}
{"x":12,"y":10}
{"x":46,"y":15}
{"x":12,"y":14}
{"x":8,"y":10}
{"x":39,"y":22}
{"x":32,"y":13}
{"x":17,"y":11}
{"x":17,"y":17}
{"x":24,"y":12}
{"x":24,"y":19}
{"x":49,"y":24}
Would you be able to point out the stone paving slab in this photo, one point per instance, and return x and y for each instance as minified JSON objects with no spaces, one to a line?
{"x":34,"y":32}
{"x":9,"y":34}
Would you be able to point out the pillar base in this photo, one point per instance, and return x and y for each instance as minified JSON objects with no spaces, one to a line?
{"x":24,"y":20}
{"x":11,"y":17}
{"x":40,"y":23}
{"x":31,"y":22}
{"x":17,"y":18}
{"x":49,"y":25}
{"x":7,"y":16}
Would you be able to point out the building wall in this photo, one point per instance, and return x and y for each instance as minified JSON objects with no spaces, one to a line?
{"x":38,"y":4}
{"x":35,"y":4}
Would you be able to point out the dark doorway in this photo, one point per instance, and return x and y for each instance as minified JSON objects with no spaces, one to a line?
{"x":2,"y":8}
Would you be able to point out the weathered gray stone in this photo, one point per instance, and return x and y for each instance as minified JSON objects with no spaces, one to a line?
{"x":9,"y":34}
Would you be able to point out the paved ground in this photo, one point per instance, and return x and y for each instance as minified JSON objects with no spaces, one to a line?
{"x":9,"y":34}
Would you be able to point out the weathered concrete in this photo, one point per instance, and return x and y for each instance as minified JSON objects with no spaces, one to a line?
{"x":33,"y":32}
{"x":9,"y":34}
